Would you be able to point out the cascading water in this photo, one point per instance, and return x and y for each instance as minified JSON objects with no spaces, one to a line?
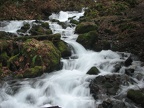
{"x":67,"y":88}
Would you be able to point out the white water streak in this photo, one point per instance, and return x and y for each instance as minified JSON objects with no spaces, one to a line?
{"x":67,"y":88}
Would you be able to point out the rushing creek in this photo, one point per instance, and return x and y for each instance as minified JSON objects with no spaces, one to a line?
{"x":68,"y":87}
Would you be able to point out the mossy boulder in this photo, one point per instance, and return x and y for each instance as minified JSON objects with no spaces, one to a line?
{"x":41,"y":53}
{"x":63,"y":48}
{"x":32,"y":72}
{"x":93,"y":71}
{"x":137,"y":96}
{"x":29,"y":58}
{"x":74,"y":21}
{"x":88,"y":39}
{"x":24,"y":28}
{"x":85,"y":27}
{"x":39,"y":30}
{"x":45,"y":25}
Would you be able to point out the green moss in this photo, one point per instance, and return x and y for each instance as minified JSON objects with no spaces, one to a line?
{"x":37,"y":30}
{"x":127,"y":26}
{"x":54,"y":55}
{"x":63,"y":48}
{"x":24,"y":28}
{"x":32,"y":72}
{"x":91,"y":13}
{"x":88,"y":39}
{"x":74,"y":21}
{"x":13,"y":58}
{"x":132,"y":3}
{"x":45,"y":25}
{"x":48,"y":31}
{"x":3,"y":44}
{"x":137,"y":96}
{"x":119,"y":7}
{"x":4,"y":56}
{"x":93,"y":71}
{"x":86,"y":27}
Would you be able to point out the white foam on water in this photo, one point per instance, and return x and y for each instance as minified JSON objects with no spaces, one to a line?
{"x":68,"y":87}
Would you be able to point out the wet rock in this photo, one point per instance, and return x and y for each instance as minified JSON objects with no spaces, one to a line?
{"x":45,"y":25}
{"x":128,"y":61}
{"x":106,"y":104}
{"x":63,"y":48}
{"x":117,"y":66}
{"x":74,"y":21}
{"x":24,"y":28}
{"x":108,"y":85}
{"x":136,"y":96}
{"x":112,"y":104}
{"x":85,"y":27}
{"x":39,"y":30}
{"x":88,"y":39}
{"x":93,"y":71}
{"x":129,"y":71}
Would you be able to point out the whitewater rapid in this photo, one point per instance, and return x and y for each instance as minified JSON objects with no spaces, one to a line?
{"x":68,"y":87}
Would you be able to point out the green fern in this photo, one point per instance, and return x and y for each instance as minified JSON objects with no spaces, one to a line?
{"x":34,"y":60}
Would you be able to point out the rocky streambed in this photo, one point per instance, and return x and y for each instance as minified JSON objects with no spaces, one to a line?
{"x":102,"y":79}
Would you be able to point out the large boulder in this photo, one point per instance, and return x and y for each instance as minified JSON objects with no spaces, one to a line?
{"x":85,"y":27}
{"x":29,"y":58}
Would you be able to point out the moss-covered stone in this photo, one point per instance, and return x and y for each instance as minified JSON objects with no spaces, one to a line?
{"x":40,"y":30}
{"x":85,"y":27}
{"x":74,"y":21}
{"x":31,"y":55}
{"x":45,"y":25}
{"x":45,"y":49}
{"x":88,"y":39}
{"x":137,"y":96}
{"x":24,"y":28}
{"x":63,"y":48}
{"x":93,"y":71}
{"x":31,"y":72}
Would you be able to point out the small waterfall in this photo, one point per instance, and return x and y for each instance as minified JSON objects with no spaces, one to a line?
{"x":68,"y":87}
